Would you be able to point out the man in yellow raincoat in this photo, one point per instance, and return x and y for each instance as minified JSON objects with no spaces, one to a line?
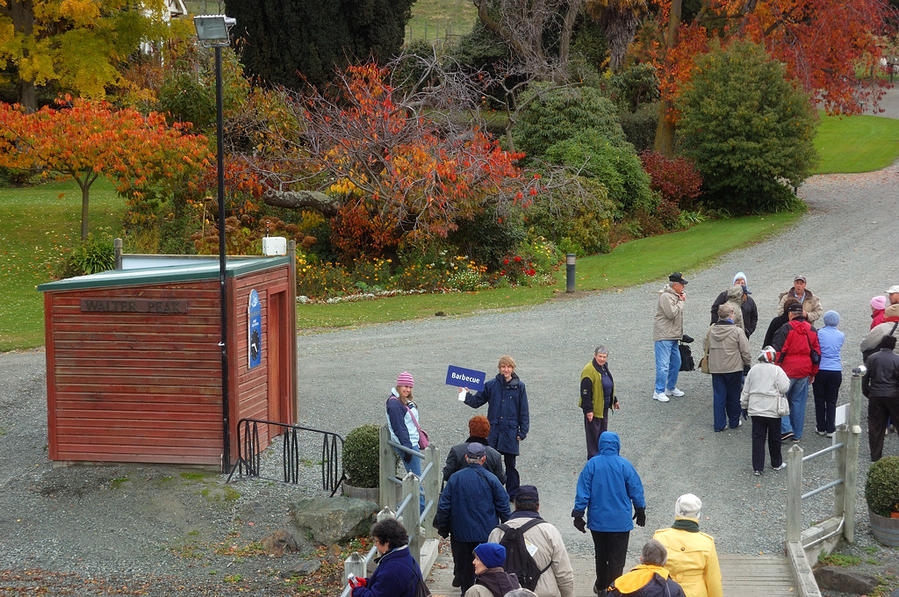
{"x":692,"y":558}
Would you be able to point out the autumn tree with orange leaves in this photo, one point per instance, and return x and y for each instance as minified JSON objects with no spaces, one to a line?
{"x":823,"y":44}
{"x":85,"y":139}
{"x":384,"y":172}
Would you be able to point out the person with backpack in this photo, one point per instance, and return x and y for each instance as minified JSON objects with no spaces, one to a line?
{"x":491,"y":579}
{"x":606,"y":489}
{"x":471,"y":504}
{"x":545,"y":568}
{"x":397,"y":574}
{"x":798,"y":354}
{"x":650,"y":578}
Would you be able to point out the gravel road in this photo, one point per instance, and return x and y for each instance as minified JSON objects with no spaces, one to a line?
{"x":106,"y":521}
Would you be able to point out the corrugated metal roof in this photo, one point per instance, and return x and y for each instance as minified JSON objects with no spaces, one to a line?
{"x":167,"y":271}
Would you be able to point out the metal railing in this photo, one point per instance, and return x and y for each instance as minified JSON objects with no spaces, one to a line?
{"x":842,"y":524}
{"x":404,"y":504}
{"x":249,"y":454}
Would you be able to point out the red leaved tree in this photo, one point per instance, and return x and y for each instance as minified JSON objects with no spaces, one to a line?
{"x":84,"y":139}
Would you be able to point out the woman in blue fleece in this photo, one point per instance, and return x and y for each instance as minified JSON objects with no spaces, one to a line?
{"x":404,"y":423}
{"x":397,"y":574}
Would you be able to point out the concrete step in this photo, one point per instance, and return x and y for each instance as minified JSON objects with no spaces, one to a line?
{"x":742,"y":576}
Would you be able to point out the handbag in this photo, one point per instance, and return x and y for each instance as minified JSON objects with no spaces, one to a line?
{"x":423,"y":440}
{"x":813,"y":354}
{"x":704,"y":361}
{"x":783,"y":406}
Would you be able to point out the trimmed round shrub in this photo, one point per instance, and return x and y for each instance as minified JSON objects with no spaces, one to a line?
{"x":615,"y":166}
{"x":550,"y":114}
{"x":360,"y":456}
{"x":882,"y":486}
{"x":748,"y":129}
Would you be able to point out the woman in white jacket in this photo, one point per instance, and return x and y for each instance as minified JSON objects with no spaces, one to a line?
{"x":763,"y":396}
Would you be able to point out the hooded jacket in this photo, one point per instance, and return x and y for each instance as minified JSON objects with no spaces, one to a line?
{"x":493,"y":582}
{"x":692,"y":560}
{"x":608,"y":488}
{"x":794,"y":342}
{"x":748,"y":310}
{"x":764,"y":385}
{"x":397,"y":575}
{"x":507,"y":411}
{"x":873,"y":337}
{"x":669,"y":319}
{"x":727,"y":347}
{"x":399,"y":421}
{"x":558,"y":579}
{"x":645,"y":580}
{"x":881,"y":380}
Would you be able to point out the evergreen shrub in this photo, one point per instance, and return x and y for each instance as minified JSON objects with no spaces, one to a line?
{"x":882,"y":486}
{"x":640,"y":126}
{"x":360,"y":456}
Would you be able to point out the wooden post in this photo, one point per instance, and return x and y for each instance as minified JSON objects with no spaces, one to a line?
{"x":412,"y":515}
{"x":431,"y":484}
{"x":840,"y":495}
{"x":853,"y":435}
{"x":794,"y":494}
{"x":117,"y":248}
{"x":386,"y":471}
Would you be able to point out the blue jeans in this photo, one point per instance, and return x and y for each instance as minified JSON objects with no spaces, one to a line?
{"x":667,"y":365}
{"x":726,"y":401}
{"x":413,"y":466}
{"x":796,"y":396}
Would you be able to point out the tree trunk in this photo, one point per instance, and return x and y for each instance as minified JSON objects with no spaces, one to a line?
{"x":89,"y":177}
{"x":664,"y":142}
{"x":21,"y":13}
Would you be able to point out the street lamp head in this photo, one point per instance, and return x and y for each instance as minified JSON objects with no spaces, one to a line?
{"x":212,"y":30}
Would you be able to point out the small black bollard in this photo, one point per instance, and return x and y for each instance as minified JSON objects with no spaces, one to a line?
{"x":569,"y":272}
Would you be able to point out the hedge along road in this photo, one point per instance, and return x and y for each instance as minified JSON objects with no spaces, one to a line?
{"x":844,"y":247}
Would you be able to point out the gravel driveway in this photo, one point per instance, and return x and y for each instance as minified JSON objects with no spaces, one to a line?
{"x":88,"y":520}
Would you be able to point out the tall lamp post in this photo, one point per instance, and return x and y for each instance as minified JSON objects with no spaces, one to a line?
{"x":212,"y":31}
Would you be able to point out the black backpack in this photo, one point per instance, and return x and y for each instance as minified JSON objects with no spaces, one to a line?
{"x":518,"y":559}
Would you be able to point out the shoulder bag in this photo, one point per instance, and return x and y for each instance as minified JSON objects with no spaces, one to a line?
{"x":423,"y":440}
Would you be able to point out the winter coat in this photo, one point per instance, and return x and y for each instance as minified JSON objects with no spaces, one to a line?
{"x":793,"y":342}
{"x":645,"y":580}
{"x":558,"y":579}
{"x":669,"y":319}
{"x":810,"y":304}
{"x":692,"y":561}
{"x":882,"y":378}
{"x":397,"y":575}
{"x":607,"y":488}
{"x":831,"y":340}
{"x":471,"y":504}
{"x":593,"y":396}
{"x":399,"y":421}
{"x":748,"y":310}
{"x":493,"y":582}
{"x":877,"y":316}
{"x":776,"y":324}
{"x":727,"y":347}
{"x":872,"y":338}
{"x":764,"y":384}
{"x":455,"y":460}
{"x":507,"y":411}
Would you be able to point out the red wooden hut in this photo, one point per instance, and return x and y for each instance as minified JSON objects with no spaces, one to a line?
{"x":134,"y":365}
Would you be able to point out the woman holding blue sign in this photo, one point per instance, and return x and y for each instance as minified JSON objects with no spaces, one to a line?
{"x":507,"y":411}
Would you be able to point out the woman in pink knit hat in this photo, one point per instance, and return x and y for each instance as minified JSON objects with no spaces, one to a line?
{"x":878,"y":304}
{"x":404,"y":423}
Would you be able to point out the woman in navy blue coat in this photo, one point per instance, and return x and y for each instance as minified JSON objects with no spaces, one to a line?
{"x":397,"y":574}
{"x":507,"y":411}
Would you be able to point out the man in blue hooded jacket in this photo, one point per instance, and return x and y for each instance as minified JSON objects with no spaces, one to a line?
{"x":607,"y":488}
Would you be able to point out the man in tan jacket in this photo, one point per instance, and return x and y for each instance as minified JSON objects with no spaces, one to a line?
{"x":811,"y":305}
{"x":667,"y":329}
{"x":544,"y":542}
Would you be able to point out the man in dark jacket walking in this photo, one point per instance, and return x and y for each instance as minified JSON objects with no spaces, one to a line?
{"x":881,"y":385}
{"x":650,"y":578}
{"x":606,"y":489}
{"x":471,"y":504}
{"x":794,"y":342}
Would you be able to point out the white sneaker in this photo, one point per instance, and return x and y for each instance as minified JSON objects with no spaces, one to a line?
{"x":660,"y":397}
{"x":675,"y":392}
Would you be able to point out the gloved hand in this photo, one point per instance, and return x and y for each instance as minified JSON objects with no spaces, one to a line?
{"x":356,"y":582}
{"x":580,"y":524}
{"x":443,"y":533}
{"x":745,"y":413}
{"x":640,"y":516}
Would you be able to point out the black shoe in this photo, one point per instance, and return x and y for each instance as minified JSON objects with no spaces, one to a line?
{"x":786,"y":436}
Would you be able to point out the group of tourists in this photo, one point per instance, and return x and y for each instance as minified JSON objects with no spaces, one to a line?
{"x":796,"y":355}
{"x":481,"y":483}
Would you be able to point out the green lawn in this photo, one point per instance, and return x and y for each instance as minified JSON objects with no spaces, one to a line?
{"x":437,"y":19}
{"x":36,"y":224}
{"x":631,"y":263}
{"x":856,"y":143}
